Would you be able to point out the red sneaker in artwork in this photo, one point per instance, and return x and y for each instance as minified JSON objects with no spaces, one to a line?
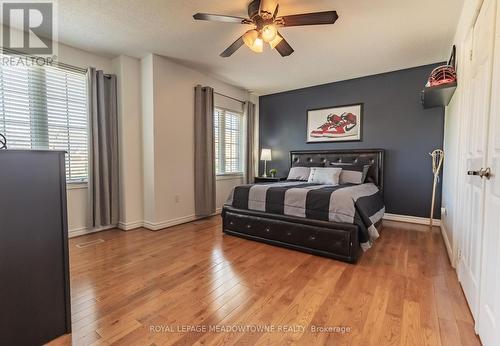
{"x":336,"y":126}
{"x":349,"y":117}
{"x":341,"y":126}
{"x":334,"y":119}
{"x":320,"y":131}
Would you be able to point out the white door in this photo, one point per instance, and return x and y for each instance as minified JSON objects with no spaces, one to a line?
{"x":475,"y":153}
{"x":463,"y":203}
{"x":489,"y":311}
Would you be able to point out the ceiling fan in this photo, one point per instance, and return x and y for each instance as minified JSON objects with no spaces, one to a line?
{"x":266,"y":24}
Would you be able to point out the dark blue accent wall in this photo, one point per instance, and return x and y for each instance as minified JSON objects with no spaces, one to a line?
{"x":393,"y":119}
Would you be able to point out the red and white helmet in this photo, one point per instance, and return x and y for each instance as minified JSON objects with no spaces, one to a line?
{"x":442,"y":75}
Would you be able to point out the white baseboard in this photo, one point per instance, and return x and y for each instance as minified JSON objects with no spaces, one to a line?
{"x":127,"y":226}
{"x":410,"y":219}
{"x":446,"y":240}
{"x":155,"y":226}
{"x":84,"y":230}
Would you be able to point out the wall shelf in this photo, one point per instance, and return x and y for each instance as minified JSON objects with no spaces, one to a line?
{"x":438,"y":96}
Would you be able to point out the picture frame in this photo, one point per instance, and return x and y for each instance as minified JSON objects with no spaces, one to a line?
{"x":342,"y":123}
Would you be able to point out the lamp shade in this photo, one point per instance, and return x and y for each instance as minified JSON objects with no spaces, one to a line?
{"x":269,"y":32}
{"x":265,"y":155}
{"x":253,"y":41}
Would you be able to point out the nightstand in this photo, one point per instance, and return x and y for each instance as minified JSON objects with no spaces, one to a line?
{"x":268,"y":179}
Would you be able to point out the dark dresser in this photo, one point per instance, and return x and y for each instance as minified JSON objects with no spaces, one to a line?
{"x":34,"y":267}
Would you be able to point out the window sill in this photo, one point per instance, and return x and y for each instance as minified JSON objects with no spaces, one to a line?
{"x":76,"y":186}
{"x":229,"y":176}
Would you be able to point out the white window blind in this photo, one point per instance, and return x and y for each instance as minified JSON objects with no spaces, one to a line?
{"x":228,"y":141}
{"x":45,"y":108}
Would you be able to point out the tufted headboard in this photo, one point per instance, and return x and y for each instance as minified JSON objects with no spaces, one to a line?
{"x":323,"y":158}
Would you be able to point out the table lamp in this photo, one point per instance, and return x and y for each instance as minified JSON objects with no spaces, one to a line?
{"x":265,"y":156}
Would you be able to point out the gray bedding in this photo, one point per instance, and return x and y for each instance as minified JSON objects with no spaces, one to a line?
{"x":348,"y":203}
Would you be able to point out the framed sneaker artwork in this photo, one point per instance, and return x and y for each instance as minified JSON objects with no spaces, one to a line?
{"x":335,"y":124}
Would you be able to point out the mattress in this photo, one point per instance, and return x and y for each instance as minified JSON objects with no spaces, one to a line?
{"x":362,"y":204}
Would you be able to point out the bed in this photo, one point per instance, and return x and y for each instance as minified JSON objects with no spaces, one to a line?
{"x":331,"y":221}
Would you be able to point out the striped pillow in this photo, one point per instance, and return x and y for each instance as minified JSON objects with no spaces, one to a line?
{"x":352,"y":173}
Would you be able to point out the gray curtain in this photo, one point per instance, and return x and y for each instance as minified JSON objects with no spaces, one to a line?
{"x":103,"y":203}
{"x":250,"y":159}
{"x":204,"y":151}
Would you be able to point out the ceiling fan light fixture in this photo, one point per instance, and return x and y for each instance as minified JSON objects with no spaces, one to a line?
{"x":258,"y":45}
{"x":265,"y":21}
{"x":269,"y":32}
{"x":253,"y":41}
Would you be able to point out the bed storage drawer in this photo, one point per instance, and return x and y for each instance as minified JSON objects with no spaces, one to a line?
{"x":312,"y":235}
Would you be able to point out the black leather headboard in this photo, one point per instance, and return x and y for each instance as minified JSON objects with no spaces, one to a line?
{"x":323,"y":158}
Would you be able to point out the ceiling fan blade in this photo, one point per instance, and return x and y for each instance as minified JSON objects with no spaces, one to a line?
{"x":232,"y":48}
{"x":221,"y":18}
{"x":328,"y":17}
{"x":283,"y":47}
{"x":276,"y":11}
{"x":254,"y":8}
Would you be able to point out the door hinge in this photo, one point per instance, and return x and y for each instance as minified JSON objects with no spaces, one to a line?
{"x":459,"y":255}
{"x":470,"y":54}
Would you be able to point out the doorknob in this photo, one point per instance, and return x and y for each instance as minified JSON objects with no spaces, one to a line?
{"x":475,"y":172}
{"x":485,"y":173}
{"x":482,"y":173}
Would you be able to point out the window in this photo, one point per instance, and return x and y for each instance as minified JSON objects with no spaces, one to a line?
{"x":228,"y":141}
{"x":45,"y":108}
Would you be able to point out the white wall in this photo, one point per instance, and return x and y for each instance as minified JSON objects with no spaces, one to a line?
{"x":77,"y":209}
{"x":452,"y":140}
{"x":81,"y":58}
{"x":224,"y":185}
{"x":128,"y":72}
{"x":450,"y":166}
{"x":172,"y":171}
{"x":148,"y":138}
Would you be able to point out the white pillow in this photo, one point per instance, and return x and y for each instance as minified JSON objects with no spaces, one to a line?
{"x":324,"y":175}
{"x":299,"y":173}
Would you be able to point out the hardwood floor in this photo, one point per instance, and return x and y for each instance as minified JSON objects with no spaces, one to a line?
{"x":172,"y":286}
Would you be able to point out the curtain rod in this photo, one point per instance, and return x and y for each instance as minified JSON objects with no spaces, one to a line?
{"x":229,"y":97}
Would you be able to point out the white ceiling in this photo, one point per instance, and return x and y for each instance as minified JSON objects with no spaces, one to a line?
{"x":370,"y":37}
